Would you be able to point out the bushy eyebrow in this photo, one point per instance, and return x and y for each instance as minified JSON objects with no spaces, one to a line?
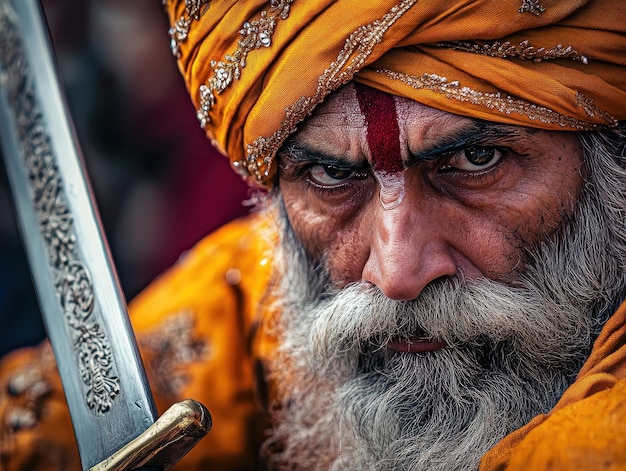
{"x":293,"y":153}
{"x":479,"y":133}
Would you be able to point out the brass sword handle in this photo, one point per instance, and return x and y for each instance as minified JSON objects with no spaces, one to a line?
{"x":109,"y":399}
{"x":165,"y":442}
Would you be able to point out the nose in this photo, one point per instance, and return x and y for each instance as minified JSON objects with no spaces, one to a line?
{"x":408,"y":250}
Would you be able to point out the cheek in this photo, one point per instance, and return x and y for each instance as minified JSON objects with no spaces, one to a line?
{"x":329,"y":232}
{"x":544,"y":193}
{"x":486,"y":231}
{"x":311,"y":228}
{"x":489,"y":230}
{"x":548,"y":193}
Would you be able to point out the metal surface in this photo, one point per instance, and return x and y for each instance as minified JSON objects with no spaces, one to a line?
{"x":81,"y":302}
{"x":165,"y":442}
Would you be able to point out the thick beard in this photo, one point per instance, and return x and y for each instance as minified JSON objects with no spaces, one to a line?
{"x":346,"y":402}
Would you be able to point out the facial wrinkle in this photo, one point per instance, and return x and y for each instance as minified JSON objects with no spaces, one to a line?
{"x":383,"y":138}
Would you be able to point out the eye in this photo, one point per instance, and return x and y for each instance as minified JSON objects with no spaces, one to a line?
{"x":330,"y":176}
{"x":473,"y":159}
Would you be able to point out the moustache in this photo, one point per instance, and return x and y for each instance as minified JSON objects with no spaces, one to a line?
{"x":360,"y":320}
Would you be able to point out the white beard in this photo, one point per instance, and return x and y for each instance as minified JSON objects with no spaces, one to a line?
{"x":357,"y":405}
{"x":346,"y":402}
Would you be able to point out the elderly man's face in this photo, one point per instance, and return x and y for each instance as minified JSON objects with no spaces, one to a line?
{"x":435,"y":195}
{"x":449,"y":289}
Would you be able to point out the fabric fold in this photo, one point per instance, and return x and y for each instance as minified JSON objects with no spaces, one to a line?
{"x":255,"y":70}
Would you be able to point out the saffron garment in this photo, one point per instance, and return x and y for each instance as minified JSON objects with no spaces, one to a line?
{"x":203,"y":332}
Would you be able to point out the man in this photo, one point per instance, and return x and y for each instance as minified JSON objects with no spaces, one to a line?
{"x":447,"y":184}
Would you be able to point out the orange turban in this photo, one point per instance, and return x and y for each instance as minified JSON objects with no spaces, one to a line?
{"x":256,"y":69}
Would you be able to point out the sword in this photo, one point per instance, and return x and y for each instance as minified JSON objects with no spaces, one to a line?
{"x":83,"y":308}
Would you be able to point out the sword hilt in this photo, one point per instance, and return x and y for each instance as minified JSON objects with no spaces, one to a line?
{"x":104,"y":381}
{"x":165,"y":442}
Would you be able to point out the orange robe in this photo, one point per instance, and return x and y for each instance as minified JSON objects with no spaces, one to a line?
{"x":200,"y":330}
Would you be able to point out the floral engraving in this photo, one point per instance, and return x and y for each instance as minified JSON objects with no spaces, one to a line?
{"x":56,"y":226}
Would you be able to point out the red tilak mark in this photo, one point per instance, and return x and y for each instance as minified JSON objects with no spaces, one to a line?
{"x":383,"y":133}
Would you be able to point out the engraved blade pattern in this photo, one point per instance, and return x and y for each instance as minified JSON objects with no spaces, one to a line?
{"x":81,"y":302}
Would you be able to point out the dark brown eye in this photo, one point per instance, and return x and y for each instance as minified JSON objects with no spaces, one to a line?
{"x":327,"y":175}
{"x":474,"y":159}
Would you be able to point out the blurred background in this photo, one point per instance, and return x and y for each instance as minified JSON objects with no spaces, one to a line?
{"x":159,"y":185}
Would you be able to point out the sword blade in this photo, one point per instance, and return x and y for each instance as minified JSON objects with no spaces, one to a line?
{"x":81,"y":302}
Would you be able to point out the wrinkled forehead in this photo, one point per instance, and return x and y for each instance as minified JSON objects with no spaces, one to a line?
{"x":346,"y":124}
{"x":340,"y":108}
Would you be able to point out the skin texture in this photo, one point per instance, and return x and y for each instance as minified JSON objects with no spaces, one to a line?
{"x":475,"y":195}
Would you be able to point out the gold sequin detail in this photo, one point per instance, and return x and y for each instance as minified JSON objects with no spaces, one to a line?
{"x":357,"y":48}
{"x":194,"y":9}
{"x":504,"y":103}
{"x":254,"y":35}
{"x":531,"y":6}
{"x":522,"y":50}
{"x":170,"y":347}
{"x":593,"y":111}
{"x":24,"y":396}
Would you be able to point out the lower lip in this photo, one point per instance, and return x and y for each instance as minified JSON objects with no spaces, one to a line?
{"x":415,"y":345}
